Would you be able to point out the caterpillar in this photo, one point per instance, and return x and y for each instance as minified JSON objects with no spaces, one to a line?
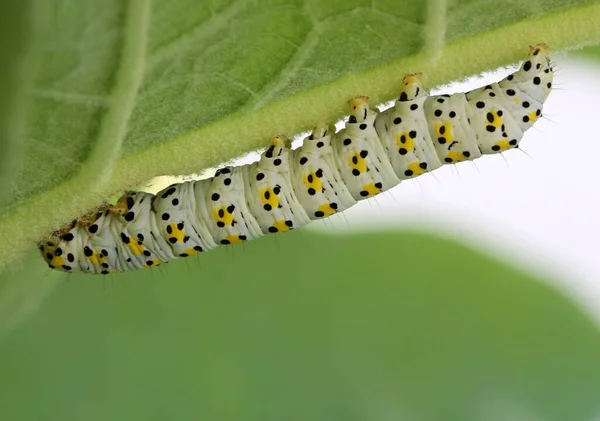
{"x":329,"y":173}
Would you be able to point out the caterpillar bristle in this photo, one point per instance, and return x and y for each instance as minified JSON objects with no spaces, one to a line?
{"x":287,"y":188}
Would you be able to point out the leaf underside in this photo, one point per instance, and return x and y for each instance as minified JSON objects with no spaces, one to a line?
{"x":118,"y":92}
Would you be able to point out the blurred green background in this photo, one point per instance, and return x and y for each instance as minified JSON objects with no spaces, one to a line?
{"x":381,"y":326}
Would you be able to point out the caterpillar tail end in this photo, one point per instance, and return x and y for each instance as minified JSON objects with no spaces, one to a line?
{"x":537,"y":72}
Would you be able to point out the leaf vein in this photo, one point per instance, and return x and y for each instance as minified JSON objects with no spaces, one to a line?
{"x":113,"y":127}
{"x":287,"y":72}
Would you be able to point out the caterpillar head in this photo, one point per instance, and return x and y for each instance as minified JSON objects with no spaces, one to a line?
{"x":536,"y":74}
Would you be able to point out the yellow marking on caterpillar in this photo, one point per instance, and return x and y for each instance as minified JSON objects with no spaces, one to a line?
{"x":371,"y":189}
{"x":154,"y":263}
{"x":97,"y":258}
{"x":176,"y":233}
{"x":358,"y":163}
{"x":269,"y":197}
{"x":224,"y":215}
{"x":281,"y":225}
{"x":444,"y":131}
{"x":135,"y":248}
{"x":191,"y":251}
{"x":456,"y":156}
{"x":234,"y":239}
{"x":503,"y":145}
{"x":497,"y":120}
{"x":326,"y":209}
{"x":57,"y":261}
{"x":533,"y":116}
{"x":415,"y":168}
{"x":312,"y":181}
{"x":405,"y":141}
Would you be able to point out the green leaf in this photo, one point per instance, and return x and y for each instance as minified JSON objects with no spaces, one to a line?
{"x":117,"y":91}
{"x":100,"y":96}
{"x":395,"y":326}
{"x":590,"y":52}
{"x":13,"y":74}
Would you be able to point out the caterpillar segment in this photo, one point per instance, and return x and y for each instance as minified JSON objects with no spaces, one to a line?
{"x":230,"y":220}
{"x":317,"y":180}
{"x":360,"y":156}
{"x":329,"y":173}
{"x":453,"y":138}
{"x":404,"y":133}
{"x":269,"y":191}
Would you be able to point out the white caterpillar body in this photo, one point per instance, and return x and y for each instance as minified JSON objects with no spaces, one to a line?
{"x":286,"y":188}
